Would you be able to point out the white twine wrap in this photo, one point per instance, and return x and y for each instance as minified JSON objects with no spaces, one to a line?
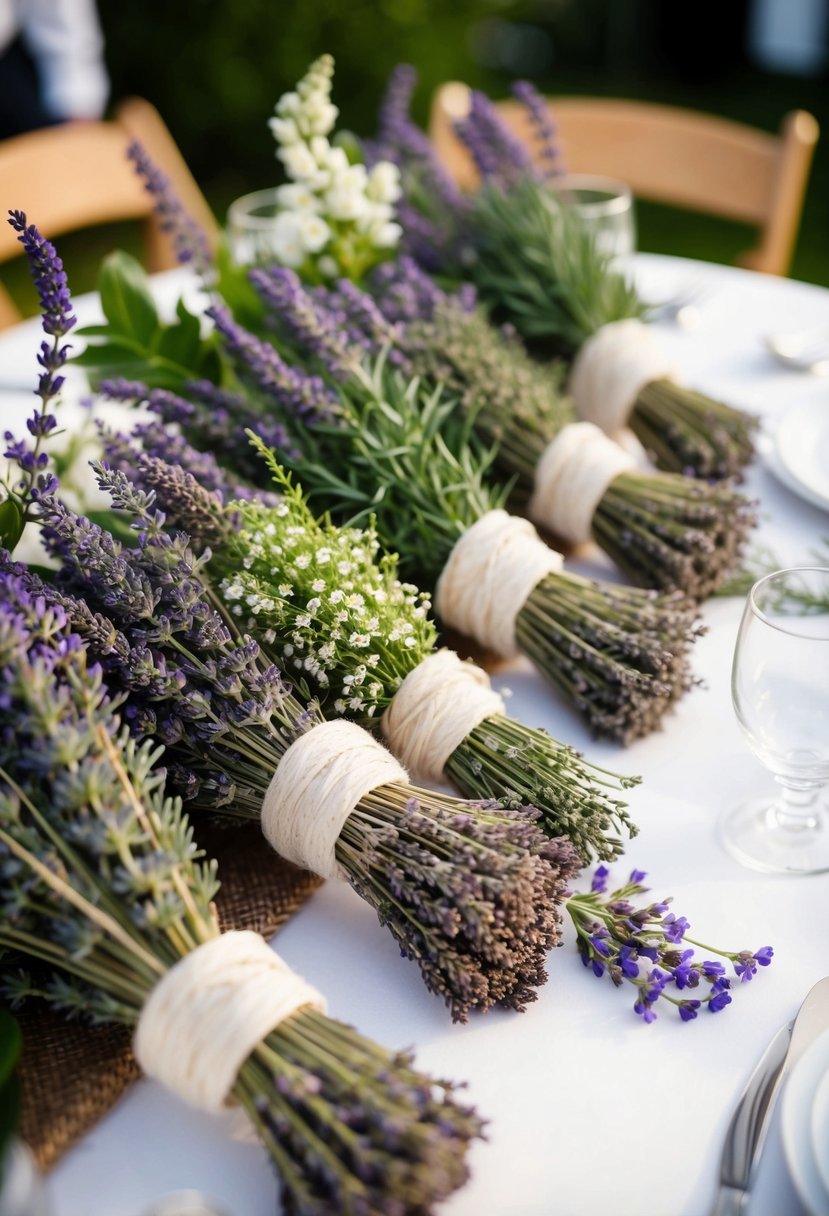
{"x":488,"y":577}
{"x":612,"y":368}
{"x":433,"y":711}
{"x":212,"y":1008}
{"x":316,"y":786}
{"x":571,"y":478}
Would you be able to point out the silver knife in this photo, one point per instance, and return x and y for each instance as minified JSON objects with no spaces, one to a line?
{"x":752,"y":1117}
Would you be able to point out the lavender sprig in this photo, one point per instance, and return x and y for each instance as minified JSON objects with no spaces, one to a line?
{"x":103,"y":892}
{"x":189,"y":239}
{"x":649,"y":948}
{"x":499,"y":155}
{"x":543,"y":128}
{"x":22,"y":496}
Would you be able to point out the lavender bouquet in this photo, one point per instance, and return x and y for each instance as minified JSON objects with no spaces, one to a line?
{"x":331,"y":609}
{"x":470,"y":891}
{"x":107,"y":914}
{"x":537,"y":266}
{"x":414,"y":463}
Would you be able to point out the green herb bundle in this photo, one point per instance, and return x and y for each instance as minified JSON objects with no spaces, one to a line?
{"x":104,"y":898}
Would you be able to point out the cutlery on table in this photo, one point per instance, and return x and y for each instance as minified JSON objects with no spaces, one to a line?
{"x":751,"y":1119}
{"x":806,"y":350}
{"x":684,"y":307}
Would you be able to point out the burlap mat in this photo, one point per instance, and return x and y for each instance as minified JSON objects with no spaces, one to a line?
{"x":72,"y":1074}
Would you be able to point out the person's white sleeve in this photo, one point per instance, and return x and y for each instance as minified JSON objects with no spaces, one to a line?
{"x":65,"y":39}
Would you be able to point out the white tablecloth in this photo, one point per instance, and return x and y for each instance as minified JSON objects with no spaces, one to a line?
{"x":590,"y":1110}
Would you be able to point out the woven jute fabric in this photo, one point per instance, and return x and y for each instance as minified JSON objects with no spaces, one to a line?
{"x":72,"y":1074}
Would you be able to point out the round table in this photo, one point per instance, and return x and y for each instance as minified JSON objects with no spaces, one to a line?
{"x":590,"y":1110}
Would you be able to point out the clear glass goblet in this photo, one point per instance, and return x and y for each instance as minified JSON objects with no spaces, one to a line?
{"x":780,"y":689}
{"x":605,"y":207}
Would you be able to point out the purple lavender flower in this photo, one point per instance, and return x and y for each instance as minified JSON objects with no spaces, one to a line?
{"x":499,"y":156}
{"x":189,"y":240}
{"x":402,"y":141}
{"x":48,"y":275}
{"x":57,"y":320}
{"x":614,"y":942}
{"x":543,"y":128}
{"x":308,"y":322}
{"x":600,"y":877}
{"x":299,"y":394}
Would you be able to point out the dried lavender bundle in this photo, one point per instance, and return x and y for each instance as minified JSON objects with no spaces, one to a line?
{"x":106,"y":904}
{"x":331,"y":608}
{"x":538,"y":268}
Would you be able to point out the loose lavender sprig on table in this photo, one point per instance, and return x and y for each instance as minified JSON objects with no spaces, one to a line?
{"x":103,"y":892}
{"x":21,"y":496}
{"x":228,"y":718}
{"x":649,"y":948}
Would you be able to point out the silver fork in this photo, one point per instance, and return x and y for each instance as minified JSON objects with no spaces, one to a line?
{"x":806,"y":349}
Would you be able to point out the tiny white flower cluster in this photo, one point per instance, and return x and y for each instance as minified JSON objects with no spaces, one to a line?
{"x":337,"y":215}
{"x":333,"y":610}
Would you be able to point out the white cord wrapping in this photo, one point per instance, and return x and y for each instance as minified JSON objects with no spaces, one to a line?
{"x":316,"y":786}
{"x":488,"y":577}
{"x":208,"y":1013}
{"x":571,"y":478}
{"x":434,"y":710}
{"x":612,"y":368}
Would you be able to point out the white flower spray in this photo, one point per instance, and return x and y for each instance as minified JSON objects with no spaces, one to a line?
{"x":336,"y":218}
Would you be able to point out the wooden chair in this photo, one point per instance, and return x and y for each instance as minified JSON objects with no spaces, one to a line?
{"x":668,"y":155}
{"x":77,"y":175}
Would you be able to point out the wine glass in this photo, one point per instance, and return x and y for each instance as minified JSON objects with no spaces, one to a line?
{"x":780,"y":689}
{"x":605,"y":207}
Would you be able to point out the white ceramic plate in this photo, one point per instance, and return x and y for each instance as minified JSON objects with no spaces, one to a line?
{"x":802,"y":445}
{"x":796,"y":1125}
{"x":820,"y":1129}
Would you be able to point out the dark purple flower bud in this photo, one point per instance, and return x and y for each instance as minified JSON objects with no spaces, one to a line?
{"x":764,"y":955}
{"x":675,"y":927}
{"x":599,"y":883}
{"x":688,"y":1010}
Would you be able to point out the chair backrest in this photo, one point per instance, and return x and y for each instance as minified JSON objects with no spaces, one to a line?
{"x":77,"y":175}
{"x":668,"y":155}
